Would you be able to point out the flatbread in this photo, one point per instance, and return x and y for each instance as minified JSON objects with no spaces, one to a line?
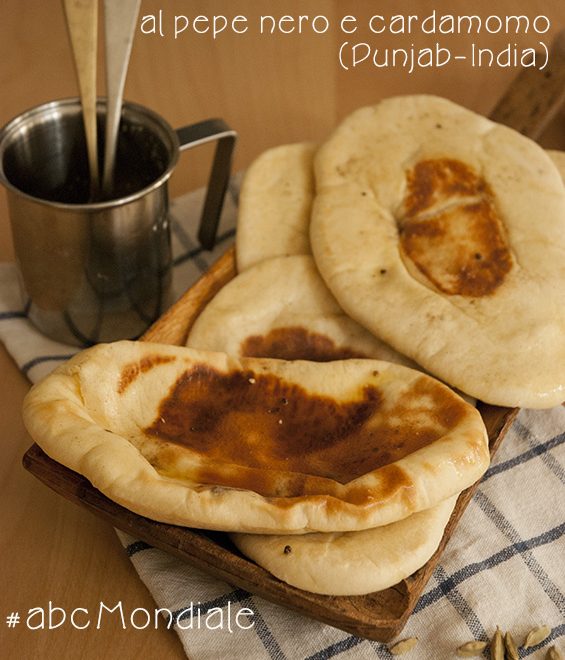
{"x":255,"y":445}
{"x":274,"y":205}
{"x":275,"y":202}
{"x":351,"y":563}
{"x":444,"y":234}
{"x":558,"y":158}
{"x":281,"y":308}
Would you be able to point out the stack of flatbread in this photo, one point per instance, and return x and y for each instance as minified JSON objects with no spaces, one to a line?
{"x":302,"y":416}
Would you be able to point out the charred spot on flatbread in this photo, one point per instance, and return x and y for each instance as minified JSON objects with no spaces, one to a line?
{"x":281,"y":308}
{"x":451,"y":230}
{"x":275,"y":435}
{"x":296,"y":343}
{"x":131,"y":371}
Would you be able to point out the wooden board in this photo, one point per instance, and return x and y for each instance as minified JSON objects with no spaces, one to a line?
{"x":379,"y":616}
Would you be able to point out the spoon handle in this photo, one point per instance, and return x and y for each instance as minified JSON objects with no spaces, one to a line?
{"x":82,"y":24}
{"x":120,"y":18}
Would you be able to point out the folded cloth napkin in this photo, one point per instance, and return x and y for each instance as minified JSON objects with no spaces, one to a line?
{"x":504,"y":565}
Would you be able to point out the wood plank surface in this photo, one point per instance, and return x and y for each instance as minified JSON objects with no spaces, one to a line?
{"x":52,"y":552}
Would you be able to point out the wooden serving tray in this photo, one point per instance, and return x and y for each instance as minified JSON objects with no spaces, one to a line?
{"x":378,"y":616}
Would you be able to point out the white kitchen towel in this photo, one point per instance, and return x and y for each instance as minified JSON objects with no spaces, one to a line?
{"x":504,"y":565}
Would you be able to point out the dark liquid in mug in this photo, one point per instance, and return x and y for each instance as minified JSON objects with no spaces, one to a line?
{"x":54,"y":164}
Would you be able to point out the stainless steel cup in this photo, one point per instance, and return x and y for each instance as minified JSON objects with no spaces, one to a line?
{"x":99,"y":270}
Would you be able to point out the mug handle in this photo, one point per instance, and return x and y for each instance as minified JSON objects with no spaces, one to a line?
{"x":203,"y":132}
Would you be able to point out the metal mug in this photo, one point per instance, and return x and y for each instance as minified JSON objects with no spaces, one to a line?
{"x":100,"y":270}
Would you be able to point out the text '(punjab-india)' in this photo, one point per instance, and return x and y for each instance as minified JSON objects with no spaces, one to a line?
{"x":407,"y":42}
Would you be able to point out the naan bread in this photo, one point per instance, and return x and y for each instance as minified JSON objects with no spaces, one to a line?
{"x":558,"y":158}
{"x":274,"y":205}
{"x":281,"y":308}
{"x":256,"y":445}
{"x":351,"y":563}
{"x":444,"y":234}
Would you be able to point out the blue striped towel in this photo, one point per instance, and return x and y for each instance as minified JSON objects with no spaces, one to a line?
{"x":504,"y":565}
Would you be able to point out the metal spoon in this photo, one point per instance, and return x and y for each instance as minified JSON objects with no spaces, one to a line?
{"x":82,"y":24}
{"x":120,"y":18}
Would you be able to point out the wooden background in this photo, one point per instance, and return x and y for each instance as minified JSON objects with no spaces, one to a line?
{"x":272,"y":90}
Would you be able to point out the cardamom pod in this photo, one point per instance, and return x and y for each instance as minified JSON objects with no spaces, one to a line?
{"x":497,"y":646}
{"x":553,"y":654}
{"x":402,"y":647}
{"x":511,"y":648}
{"x":536,"y":636}
{"x":471,"y":649}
